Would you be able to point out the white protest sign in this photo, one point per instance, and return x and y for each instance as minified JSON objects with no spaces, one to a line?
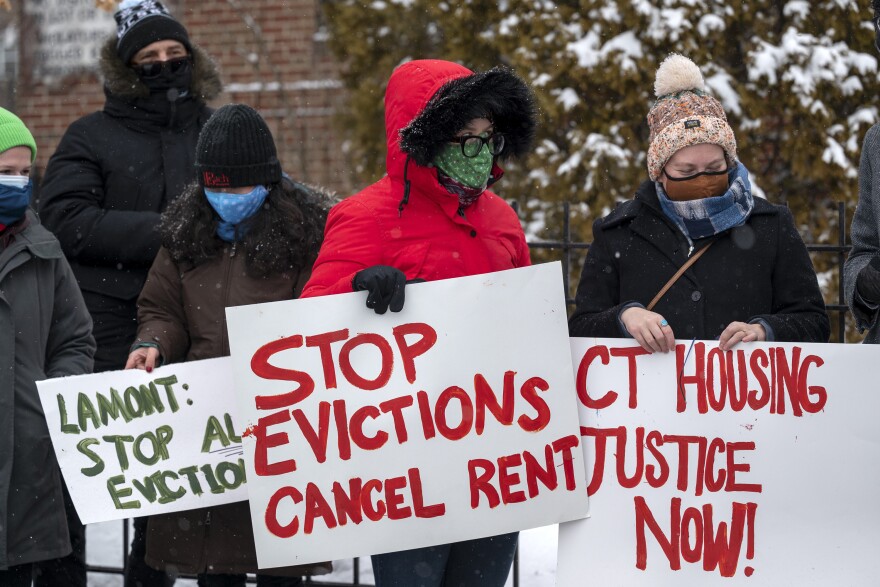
{"x":132,"y":443}
{"x":453,"y":419}
{"x":757,"y":466}
{"x":69,"y":35}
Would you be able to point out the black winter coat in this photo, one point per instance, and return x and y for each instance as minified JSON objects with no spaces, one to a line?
{"x":115,"y":170}
{"x":758,"y":270}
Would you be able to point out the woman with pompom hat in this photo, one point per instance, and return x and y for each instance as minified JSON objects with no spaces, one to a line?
{"x":694,"y":254}
{"x":46,"y":333}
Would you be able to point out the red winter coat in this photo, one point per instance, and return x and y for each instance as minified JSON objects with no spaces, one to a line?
{"x":426,"y":238}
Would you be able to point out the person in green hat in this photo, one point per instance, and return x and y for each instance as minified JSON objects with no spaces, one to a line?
{"x":46,"y":333}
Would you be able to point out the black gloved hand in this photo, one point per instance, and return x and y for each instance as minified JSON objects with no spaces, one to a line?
{"x":868,"y":281}
{"x":385,"y":285}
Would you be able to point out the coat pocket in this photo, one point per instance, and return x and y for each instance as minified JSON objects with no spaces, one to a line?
{"x":502,"y":254}
{"x":122,"y":192}
{"x":411,"y":260}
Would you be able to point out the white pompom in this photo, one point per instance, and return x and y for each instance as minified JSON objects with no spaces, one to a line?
{"x":676,"y":74}
{"x":126,"y":4}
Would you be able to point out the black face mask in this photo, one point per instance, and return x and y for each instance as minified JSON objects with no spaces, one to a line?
{"x":162,"y":77}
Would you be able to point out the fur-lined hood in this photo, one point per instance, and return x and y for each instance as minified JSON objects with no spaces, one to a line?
{"x":121,"y":80}
{"x":497,"y":94}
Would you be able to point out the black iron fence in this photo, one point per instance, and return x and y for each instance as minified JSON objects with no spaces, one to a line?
{"x":570,"y":250}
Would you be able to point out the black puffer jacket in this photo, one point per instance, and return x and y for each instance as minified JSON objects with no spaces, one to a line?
{"x":115,"y":170}
{"x":758,"y":270}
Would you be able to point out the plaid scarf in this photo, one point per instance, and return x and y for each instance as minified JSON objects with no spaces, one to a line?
{"x":710,"y":216}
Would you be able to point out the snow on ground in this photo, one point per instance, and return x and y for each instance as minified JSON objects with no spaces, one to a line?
{"x":537,"y":558}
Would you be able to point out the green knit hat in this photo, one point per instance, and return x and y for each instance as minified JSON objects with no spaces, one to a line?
{"x":13,"y":133}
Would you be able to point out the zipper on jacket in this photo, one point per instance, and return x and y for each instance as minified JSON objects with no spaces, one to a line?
{"x":203,"y":555}
{"x":232,"y":252}
{"x":172,"y":118}
{"x":690,"y":251}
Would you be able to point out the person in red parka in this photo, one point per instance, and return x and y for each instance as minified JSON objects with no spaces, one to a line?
{"x":433,"y":217}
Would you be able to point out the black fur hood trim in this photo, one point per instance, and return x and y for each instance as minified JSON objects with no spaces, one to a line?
{"x":497,"y":94}
{"x":122,"y":82}
{"x":286,"y":233}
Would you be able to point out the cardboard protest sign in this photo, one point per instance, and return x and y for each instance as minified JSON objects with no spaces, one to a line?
{"x":453,"y":419}
{"x":755,"y":466}
{"x":132,"y":443}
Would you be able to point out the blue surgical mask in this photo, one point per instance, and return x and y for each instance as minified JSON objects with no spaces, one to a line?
{"x":234,"y":208}
{"x":15,"y":195}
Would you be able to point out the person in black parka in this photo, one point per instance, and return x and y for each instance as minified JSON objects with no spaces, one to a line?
{"x":753,"y":281}
{"x":112,"y":175}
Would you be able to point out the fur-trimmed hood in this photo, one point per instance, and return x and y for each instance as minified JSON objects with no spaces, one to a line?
{"x":428,"y":101}
{"x":497,"y":94}
{"x":122,"y":81}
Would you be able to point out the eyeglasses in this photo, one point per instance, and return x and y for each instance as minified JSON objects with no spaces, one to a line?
{"x":696,"y":175}
{"x":154,"y":69}
{"x":471,"y":145}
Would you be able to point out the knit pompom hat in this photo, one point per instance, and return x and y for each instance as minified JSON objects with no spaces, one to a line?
{"x":236,"y":149}
{"x":13,"y":133}
{"x":684,"y":115}
{"x":141,"y":22}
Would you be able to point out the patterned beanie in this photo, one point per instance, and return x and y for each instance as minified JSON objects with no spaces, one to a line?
{"x":684,"y":115}
{"x":13,"y":133}
{"x":141,"y":22}
{"x":236,"y":149}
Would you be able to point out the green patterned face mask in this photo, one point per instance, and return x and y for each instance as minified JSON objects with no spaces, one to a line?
{"x":470,"y":171}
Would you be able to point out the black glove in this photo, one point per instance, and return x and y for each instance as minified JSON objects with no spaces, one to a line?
{"x":385,"y":285}
{"x":868,"y":281}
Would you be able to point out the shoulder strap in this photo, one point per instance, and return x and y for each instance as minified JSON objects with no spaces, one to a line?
{"x":678,"y":274}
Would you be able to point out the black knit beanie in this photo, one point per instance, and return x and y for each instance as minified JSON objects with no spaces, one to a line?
{"x":139,"y":23}
{"x":236,"y":149}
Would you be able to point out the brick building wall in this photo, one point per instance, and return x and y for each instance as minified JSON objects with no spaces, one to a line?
{"x":271,"y":55}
